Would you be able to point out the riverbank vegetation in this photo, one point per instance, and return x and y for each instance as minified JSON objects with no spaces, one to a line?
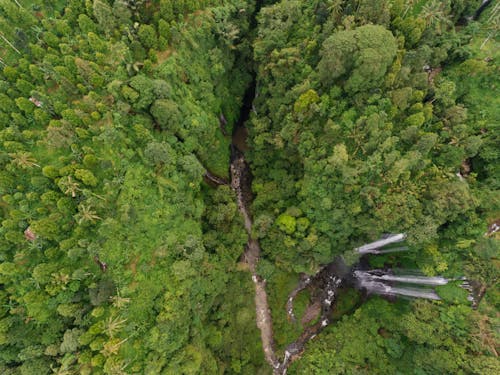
{"x":369,"y":117}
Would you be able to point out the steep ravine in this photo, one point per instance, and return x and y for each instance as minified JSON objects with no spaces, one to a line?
{"x":241,"y":184}
{"x":241,"y":181}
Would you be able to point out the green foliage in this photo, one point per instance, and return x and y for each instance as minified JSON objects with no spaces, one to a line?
{"x":364,"y":54}
{"x":104,"y":15}
{"x":167,"y":115}
{"x":121,"y":234}
{"x":286,"y":223}
{"x":360,"y":135}
{"x":86,"y":176}
{"x":451,"y":293}
{"x":116,"y":256}
{"x":159,"y":154}
{"x":147,"y":36}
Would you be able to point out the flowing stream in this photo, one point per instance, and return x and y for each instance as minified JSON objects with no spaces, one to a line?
{"x":241,"y":183}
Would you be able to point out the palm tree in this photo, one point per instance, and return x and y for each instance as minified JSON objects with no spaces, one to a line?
{"x":118,"y":301}
{"x":69,"y":186}
{"x":63,"y":370}
{"x":9,"y":43}
{"x":335,"y":7}
{"x":23,"y":160}
{"x":118,"y":368}
{"x":409,"y":5}
{"x":112,"y":347}
{"x":86,"y":214}
{"x":493,"y":25}
{"x":113,"y":325}
{"x":61,"y":279}
{"x":434,"y":14}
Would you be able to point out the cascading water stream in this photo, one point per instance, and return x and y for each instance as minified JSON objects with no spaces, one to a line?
{"x":374,"y":247}
{"x":381,"y":275}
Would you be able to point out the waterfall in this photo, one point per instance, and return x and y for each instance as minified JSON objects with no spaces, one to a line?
{"x":416,"y":293}
{"x":407,"y":279}
{"x":351,"y":273}
{"x":387,"y":284}
{"x":391,"y":250}
{"x":374,"y":247}
{"x":378,"y":287}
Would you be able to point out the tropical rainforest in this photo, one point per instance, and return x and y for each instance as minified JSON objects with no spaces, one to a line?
{"x":126,"y":244}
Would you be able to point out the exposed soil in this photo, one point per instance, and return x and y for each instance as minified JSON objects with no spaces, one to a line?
{"x":311,"y":313}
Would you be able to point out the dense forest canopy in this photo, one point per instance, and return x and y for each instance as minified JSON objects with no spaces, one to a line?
{"x":120,"y":255}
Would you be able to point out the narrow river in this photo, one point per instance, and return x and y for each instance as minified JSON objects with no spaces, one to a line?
{"x":241,"y":180}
